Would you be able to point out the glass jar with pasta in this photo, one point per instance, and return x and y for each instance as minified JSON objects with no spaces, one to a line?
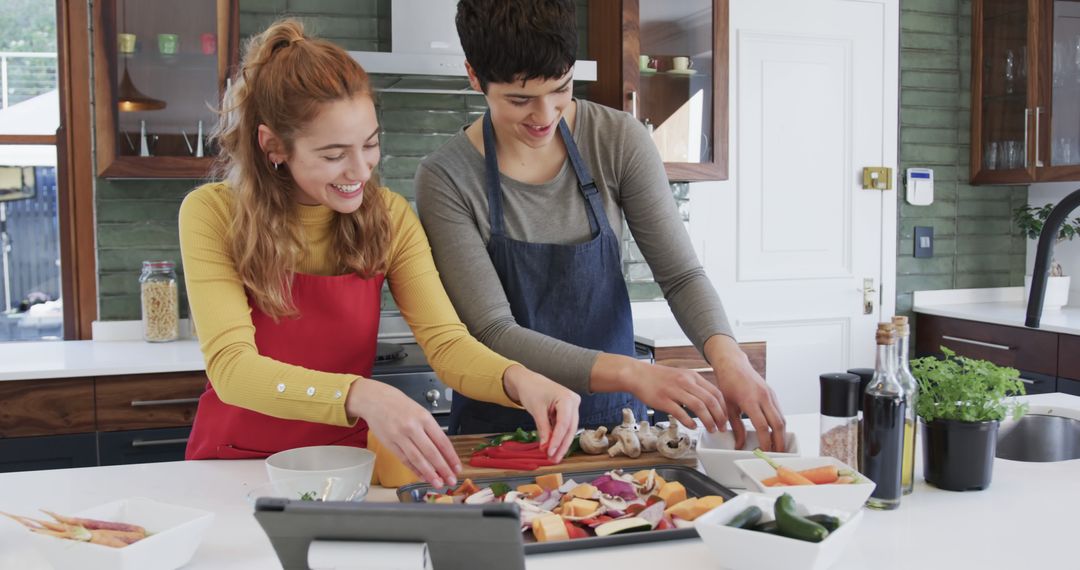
{"x":160,"y":301}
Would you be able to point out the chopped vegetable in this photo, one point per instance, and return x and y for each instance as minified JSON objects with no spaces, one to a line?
{"x":499,"y":488}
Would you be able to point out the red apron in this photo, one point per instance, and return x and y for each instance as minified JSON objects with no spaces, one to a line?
{"x":335,"y":332}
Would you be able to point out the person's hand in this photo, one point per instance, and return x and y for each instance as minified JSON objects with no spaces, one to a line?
{"x":674,"y":390}
{"x":553,"y":406}
{"x":746,"y":393}
{"x":407,"y":429}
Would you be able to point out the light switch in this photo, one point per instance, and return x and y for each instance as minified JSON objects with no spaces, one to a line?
{"x":924,"y":241}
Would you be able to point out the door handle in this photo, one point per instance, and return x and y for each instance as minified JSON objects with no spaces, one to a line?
{"x":1038,"y":116}
{"x":868,"y":291}
{"x":172,"y":402}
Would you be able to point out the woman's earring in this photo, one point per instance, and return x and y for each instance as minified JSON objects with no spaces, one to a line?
{"x":276,"y":165}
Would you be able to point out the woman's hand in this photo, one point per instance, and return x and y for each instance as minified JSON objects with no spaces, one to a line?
{"x":407,"y":429}
{"x":548,"y":403}
{"x":674,"y":390}
{"x":746,"y":393}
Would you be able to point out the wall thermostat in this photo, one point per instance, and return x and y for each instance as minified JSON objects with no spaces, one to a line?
{"x":920,"y":186}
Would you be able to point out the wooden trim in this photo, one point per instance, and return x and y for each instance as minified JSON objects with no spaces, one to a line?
{"x":975,"y":161}
{"x":27,"y":139}
{"x":75,"y":171}
{"x":104,"y":18}
{"x":158,"y":167}
{"x":605,"y":48}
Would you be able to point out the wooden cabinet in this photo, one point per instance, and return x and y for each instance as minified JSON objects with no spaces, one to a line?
{"x":145,"y":402}
{"x":161,"y":68}
{"x":1025,"y":91}
{"x":46,"y":407}
{"x":689,"y":357}
{"x":667,"y":64}
{"x":109,"y":420}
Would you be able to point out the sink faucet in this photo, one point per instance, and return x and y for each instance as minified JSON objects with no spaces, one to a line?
{"x":1044,"y":253}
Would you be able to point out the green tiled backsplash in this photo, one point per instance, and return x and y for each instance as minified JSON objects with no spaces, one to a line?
{"x":136,"y":219}
{"x":975,"y":243}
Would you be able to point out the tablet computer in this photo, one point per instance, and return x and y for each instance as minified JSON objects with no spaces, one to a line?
{"x":457,"y":536}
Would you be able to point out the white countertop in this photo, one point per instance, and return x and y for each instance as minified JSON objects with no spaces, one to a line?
{"x":1026,"y":519}
{"x":76,"y":358}
{"x":1002,"y":306}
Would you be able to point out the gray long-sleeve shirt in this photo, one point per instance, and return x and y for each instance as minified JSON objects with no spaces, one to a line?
{"x":452,"y":202}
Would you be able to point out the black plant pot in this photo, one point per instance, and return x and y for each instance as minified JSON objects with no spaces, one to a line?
{"x":959,"y":456}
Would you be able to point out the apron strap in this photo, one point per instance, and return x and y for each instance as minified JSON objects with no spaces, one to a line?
{"x":597,"y":218}
{"x":494,"y":184}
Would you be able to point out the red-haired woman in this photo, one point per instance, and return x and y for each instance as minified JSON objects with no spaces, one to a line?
{"x":285,"y":261}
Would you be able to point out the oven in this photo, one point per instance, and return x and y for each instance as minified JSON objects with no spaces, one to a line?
{"x":403,"y":366}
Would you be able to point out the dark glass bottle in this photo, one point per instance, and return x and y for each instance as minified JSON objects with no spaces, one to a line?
{"x":883,"y":425}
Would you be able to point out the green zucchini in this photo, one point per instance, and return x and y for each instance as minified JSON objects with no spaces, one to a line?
{"x":747,"y":518}
{"x":830,"y":522}
{"x":793,"y":525}
{"x":769,"y":527}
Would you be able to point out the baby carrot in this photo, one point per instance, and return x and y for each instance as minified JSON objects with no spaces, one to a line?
{"x":821,"y":475}
{"x":786,"y":475}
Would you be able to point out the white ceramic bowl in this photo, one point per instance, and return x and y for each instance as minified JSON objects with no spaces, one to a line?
{"x":174,"y":535}
{"x":846,"y":497}
{"x":352,"y":463}
{"x":313,"y":488}
{"x":742,"y":549}
{"x":717,"y":454}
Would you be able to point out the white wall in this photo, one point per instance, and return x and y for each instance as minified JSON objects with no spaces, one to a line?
{"x":1068,"y":253}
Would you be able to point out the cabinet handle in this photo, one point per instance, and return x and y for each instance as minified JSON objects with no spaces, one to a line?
{"x":977,"y":342}
{"x":1027,"y":115}
{"x":173,"y":402}
{"x":633,"y":104}
{"x":153,"y":442}
{"x":1027,"y":381}
{"x":1038,"y":115}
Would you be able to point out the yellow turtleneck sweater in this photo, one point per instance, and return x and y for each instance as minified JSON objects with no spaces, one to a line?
{"x":242,"y":377}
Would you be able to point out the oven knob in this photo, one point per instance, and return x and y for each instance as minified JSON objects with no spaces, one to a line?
{"x":433,"y":397}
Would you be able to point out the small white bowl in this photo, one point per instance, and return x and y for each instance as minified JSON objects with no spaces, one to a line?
{"x":312,"y":488}
{"x":846,"y":497}
{"x":743,"y":549}
{"x":346,"y":462}
{"x":174,"y":535}
{"x":717,"y":454}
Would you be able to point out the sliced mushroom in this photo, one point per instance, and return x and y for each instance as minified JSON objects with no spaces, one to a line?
{"x":648,"y":436}
{"x":594,"y":441}
{"x":613,"y":503}
{"x":672,"y":444}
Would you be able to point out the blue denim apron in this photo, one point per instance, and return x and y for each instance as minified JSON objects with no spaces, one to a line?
{"x":575,"y":293}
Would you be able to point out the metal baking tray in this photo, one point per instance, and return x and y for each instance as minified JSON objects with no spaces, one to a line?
{"x":697,"y":484}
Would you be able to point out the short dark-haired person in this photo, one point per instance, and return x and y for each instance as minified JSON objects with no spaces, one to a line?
{"x":524,"y":209}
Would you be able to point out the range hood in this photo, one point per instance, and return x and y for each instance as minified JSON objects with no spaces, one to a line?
{"x":426,"y":50}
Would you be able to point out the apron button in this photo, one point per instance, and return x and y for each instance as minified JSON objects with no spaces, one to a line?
{"x":311,"y":391}
{"x":281,"y":387}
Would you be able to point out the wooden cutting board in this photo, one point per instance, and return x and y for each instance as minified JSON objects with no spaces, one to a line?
{"x":466,"y":444}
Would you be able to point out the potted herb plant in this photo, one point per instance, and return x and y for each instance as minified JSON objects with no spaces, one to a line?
{"x":961,"y":403}
{"x":1030,"y":220}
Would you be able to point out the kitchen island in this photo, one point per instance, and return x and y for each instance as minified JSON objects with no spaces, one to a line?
{"x":1026,"y":519}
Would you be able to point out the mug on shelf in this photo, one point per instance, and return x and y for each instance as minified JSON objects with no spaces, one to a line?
{"x":681,"y":63}
{"x":646,"y":63}
{"x":125,"y":43}
{"x":208,"y":42}
{"x":168,"y":44}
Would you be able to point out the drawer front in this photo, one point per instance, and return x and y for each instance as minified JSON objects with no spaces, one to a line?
{"x":148,"y":401}
{"x":1024,"y":349}
{"x":689,"y":357}
{"x":1035,"y":383}
{"x":52,"y":452}
{"x":46,"y":407}
{"x":1069,"y":386}
{"x":143,"y":446}
{"x":1069,"y":356}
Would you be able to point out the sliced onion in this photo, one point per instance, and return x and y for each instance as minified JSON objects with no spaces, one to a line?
{"x":616,"y":488}
{"x":654,"y":513}
{"x":481,"y":497}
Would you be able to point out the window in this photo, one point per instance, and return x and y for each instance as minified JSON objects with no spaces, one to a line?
{"x":30,"y":278}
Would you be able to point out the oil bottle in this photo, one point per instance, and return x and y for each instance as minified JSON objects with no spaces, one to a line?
{"x":883,"y":425}
{"x":911,"y":393}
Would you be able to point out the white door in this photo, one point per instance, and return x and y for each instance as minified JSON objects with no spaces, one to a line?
{"x":813,"y":100}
